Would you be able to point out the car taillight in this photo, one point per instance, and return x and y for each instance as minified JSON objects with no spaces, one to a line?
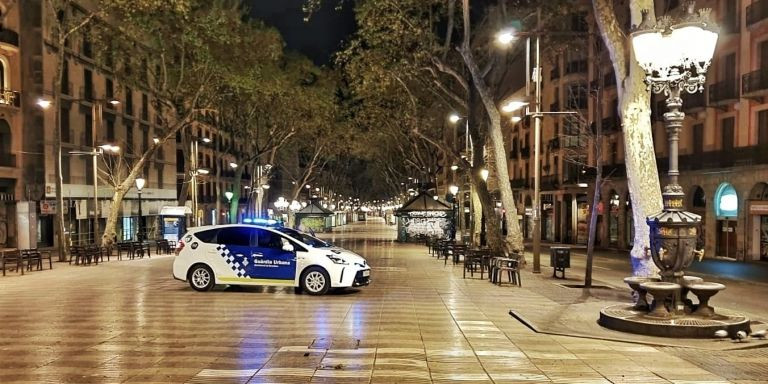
{"x":179,"y":247}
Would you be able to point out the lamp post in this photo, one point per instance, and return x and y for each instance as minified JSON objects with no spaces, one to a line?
{"x":140,"y":182}
{"x":228,"y":195}
{"x":675,"y":57}
{"x":454,"y":191}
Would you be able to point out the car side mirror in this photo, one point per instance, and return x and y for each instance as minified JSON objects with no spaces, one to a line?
{"x":288,"y":247}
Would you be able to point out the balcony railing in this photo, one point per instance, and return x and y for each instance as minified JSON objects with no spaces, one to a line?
{"x":554,"y":107}
{"x":525,"y":152}
{"x":757,"y":12}
{"x":755,"y":81}
{"x":554,"y":143}
{"x":550,"y":182}
{"x":694,"y":101}
{"x":724,"y":92}
{"x":611,"y":124}
{"x":519,"y":183}
{"x":10,"y":98}
{"x":7,"y":160}
{"x":576,"y":66}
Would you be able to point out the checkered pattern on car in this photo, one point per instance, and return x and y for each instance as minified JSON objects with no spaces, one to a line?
{"x":237,"y":264}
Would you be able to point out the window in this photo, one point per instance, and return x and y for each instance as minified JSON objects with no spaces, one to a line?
{"x":66,"y":135}
{"x":144,"y":138}
{"x":128,"y":101}
{"x":128,"y":228}
{"x":109,"y":86}
{"x":88,"y":130}
{"x":110,"y":130}
{"x":267,"y":239}
{"x":237,"y":236}
{"x":88,"y":169}
{"x":87,"y":84}
{"x":65,"y":78}
{"x":128,"y":134}
{"x":65,"y":170}
{"x":160,"y":178}
{"x":208,"y":236}
{"x":727,"y":125}
{"x":87,"y":51}
{"x":698,"y":138}
{"x":762,"y":127}
{"x":144,"y":107}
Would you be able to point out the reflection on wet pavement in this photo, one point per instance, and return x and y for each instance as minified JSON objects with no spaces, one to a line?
{"x":418,"y":322}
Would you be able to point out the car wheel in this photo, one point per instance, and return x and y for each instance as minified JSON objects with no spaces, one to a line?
{"x":201,"y":278}
{"x":315,"y":281}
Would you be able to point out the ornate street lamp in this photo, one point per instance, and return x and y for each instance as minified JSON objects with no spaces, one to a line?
{"x":140,"y":182}
{"x":675,"y":56}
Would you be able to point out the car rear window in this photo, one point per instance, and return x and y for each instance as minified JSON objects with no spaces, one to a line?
{"x":208,"y":236}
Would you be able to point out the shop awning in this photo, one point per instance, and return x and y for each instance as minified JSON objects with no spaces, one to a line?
{"x":175,"y":211}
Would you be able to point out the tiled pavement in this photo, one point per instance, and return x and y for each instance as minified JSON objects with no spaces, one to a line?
{"x":418,"y":322}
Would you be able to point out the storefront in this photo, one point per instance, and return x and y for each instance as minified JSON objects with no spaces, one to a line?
{"x":613,"y":219}
{"x":757,"y":207}
{"x":726,"y":211}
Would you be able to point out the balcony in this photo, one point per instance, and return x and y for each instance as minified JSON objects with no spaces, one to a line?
{"x":550,"y":183}
{"x":738,"y":156}
{"x":577,"y":103}
{"x":757,"y":12}
{"x":519,"y":183}
{"x":9,"y":38}
{"x":525,"y":152}
{"x":10,"y":98}
{"x":554,"y":107}
{"x":513,"y":154}
{"x":724,"y":93}
{"x":755,"y":83}
{"x":8,"y":160}
{"x":576,"y":66}
{"x":694,"y":102}
{"x":554,"y":143}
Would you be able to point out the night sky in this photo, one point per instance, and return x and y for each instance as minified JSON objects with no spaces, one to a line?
{"x":319,"y":38}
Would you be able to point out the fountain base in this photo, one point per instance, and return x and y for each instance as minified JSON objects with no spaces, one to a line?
{"x":626,"y":318}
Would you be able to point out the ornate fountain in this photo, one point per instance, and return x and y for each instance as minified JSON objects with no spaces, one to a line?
{"x":675,"y":57}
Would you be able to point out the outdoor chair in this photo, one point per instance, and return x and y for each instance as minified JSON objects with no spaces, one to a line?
{"x":12,"y":258}
{"x":33,"y":257}
{"x":459,"y":250}
{"x":508,"y":266}
{"x":126,"y":247}
{"x":476,"y":260}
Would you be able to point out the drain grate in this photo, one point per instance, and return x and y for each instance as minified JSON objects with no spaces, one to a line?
{"x":582,"y":286}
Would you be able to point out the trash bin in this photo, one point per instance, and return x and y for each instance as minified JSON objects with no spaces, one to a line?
{"x":559,"y":259}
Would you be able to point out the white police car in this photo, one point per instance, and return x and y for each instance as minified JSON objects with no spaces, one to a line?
{"x":241,"y":254}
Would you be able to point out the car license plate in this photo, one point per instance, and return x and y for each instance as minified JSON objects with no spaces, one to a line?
{"x":366,"y":273}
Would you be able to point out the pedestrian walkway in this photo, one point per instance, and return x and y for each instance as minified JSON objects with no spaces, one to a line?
{"x":418,"y":322}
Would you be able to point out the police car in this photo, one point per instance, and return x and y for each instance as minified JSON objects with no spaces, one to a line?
{"x":241,"y":254}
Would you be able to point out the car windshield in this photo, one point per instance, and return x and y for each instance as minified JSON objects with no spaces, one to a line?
{"x":307,"y":239}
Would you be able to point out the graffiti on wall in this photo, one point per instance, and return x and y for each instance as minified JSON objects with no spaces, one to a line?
{"x":425,"y":223}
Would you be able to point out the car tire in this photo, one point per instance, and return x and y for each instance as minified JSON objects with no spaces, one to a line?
{"x":315,"y":281}
{"x":201,"y":278}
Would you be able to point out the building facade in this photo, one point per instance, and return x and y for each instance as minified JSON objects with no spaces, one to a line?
{"x":723,"y":144}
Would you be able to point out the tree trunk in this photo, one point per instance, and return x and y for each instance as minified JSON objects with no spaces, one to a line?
{"x":125,"y":185}
{"x":634,"y":104}
{"x":514,"y":239}
{"x":60,"y":228}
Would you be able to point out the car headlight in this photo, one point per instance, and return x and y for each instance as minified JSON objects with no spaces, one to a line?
{"x":337,"y":260}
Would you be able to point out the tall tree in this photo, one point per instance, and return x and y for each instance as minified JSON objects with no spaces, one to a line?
{"x":635,"y":112}
{"x":175,"y":50}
